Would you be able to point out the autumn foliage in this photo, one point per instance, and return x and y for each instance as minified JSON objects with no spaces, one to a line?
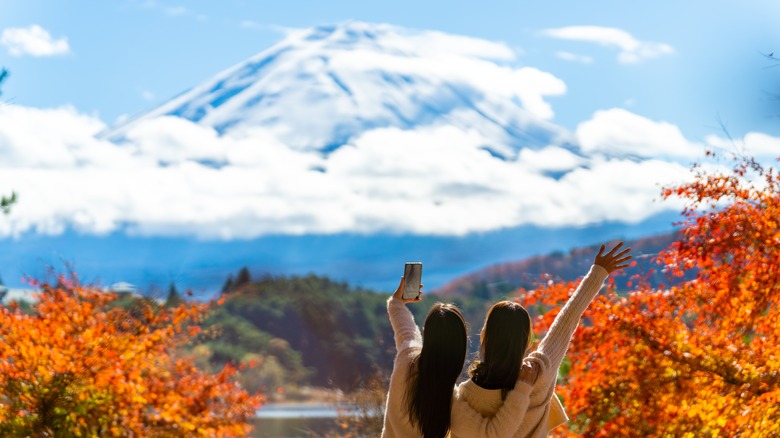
{"x":79,"y":364}
{"x":700,"y":357}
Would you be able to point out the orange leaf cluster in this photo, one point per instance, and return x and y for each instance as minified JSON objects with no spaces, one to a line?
{"x":80,"y":365}
{"x":702,"y":357}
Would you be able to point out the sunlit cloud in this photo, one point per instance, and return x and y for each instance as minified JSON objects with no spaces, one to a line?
{"x":568,"y":56}
{"x":755,"y":144}
{"x":619,"y":132}
{"x":174,"y":177}
{"x":33,"y":41}
{"x":551,"y":158}
{"x":631,"y":49}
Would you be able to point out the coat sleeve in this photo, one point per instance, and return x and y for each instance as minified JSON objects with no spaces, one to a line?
{"x":556,"y":342}
{"x":405,"y":331}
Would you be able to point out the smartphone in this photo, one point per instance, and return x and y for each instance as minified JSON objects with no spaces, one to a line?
{"x":412,"y":277}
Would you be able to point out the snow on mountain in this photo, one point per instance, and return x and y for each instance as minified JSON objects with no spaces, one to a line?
{"x":319,"y":88}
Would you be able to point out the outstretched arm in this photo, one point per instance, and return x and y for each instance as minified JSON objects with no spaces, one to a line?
{"x":556,"y":342}
{"x":401,"y":319}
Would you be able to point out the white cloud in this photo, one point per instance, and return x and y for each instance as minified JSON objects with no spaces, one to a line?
{"x":568,"y":56}
{"x":631,"y":49}
{"x":756,"y":144}
{"x":34,"y":41}
{"x":551,"y":158}
{"x":619,"y":132}
{"x":173,"y":177}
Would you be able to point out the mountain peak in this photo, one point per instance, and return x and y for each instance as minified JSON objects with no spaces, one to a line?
{"x":320,"y":88}
{"x":346,"y":31}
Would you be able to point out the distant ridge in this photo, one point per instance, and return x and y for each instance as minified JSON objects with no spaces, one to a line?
{"x":507,"y":277}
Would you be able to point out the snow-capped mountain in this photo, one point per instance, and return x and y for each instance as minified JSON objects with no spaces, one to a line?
{"x":342,"y":150}
{"x":321,"y":87}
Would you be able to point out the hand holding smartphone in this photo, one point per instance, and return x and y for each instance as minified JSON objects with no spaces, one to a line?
{"x":412,"y":280}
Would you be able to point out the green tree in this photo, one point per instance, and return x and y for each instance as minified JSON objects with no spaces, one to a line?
{"x":243,"y":278}
{"x":174,"y":298}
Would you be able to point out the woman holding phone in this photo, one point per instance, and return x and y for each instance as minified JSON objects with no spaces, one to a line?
{"x":420,"y":400}
{"x":504,"y":341}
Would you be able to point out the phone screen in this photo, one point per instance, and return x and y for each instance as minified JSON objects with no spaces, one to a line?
{"x":413,"y":278}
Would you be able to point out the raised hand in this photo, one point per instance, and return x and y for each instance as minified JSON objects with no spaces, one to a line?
{"x":613,"y":260}
{"x":399,"y":293}
{"x":529,"y":372}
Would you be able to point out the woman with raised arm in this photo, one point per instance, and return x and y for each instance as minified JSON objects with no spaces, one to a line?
{"x":504,"y":340}
{"x":420,"y":398}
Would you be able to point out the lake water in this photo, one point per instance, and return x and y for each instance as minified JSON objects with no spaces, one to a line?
{"x":296,"y":420}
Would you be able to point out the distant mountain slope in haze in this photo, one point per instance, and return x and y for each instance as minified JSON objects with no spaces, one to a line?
{"x":507,"y":277}
{"x":320,"y":87}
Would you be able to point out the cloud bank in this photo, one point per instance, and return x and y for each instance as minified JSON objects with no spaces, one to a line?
{"x":174,"y":177}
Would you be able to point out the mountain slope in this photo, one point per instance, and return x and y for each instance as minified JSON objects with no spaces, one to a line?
{"x":320,"y":87}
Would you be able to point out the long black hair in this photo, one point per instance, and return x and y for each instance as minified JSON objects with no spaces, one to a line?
{"x":433,"y":373}
{"x":503,"y":344}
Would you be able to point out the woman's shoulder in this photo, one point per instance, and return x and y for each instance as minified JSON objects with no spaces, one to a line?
{"x":486,"y":401}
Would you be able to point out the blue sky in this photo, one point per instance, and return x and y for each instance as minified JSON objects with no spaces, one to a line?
{"x":126,"y":56}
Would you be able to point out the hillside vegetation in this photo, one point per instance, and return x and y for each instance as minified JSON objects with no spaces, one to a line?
{"x":311,"y":330}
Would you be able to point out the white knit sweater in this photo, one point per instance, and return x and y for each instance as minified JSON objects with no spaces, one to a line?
{"x":408,"y":344}
{"x":545,"y":411}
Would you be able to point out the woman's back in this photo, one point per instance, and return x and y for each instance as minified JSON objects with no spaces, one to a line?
{"x":396,"y":423}
{"x":487,"y":402}
{"x":544,"y":411}
{"x":425,"y":369}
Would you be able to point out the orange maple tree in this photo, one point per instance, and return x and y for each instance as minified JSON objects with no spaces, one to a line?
{"x":700,"y":357}
{"x":79,"y":364}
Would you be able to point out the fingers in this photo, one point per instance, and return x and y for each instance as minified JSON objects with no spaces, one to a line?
{"x":529,"y":372}
{"x":616,"y":258}
{"x":621,"y":258}
{"x":413,"y":300}
{"x":400,"y":290}
{"x":612,"y":251}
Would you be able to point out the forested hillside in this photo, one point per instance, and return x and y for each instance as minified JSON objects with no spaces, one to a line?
{"x":301,"y":330}
{"x":312,"y":330}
